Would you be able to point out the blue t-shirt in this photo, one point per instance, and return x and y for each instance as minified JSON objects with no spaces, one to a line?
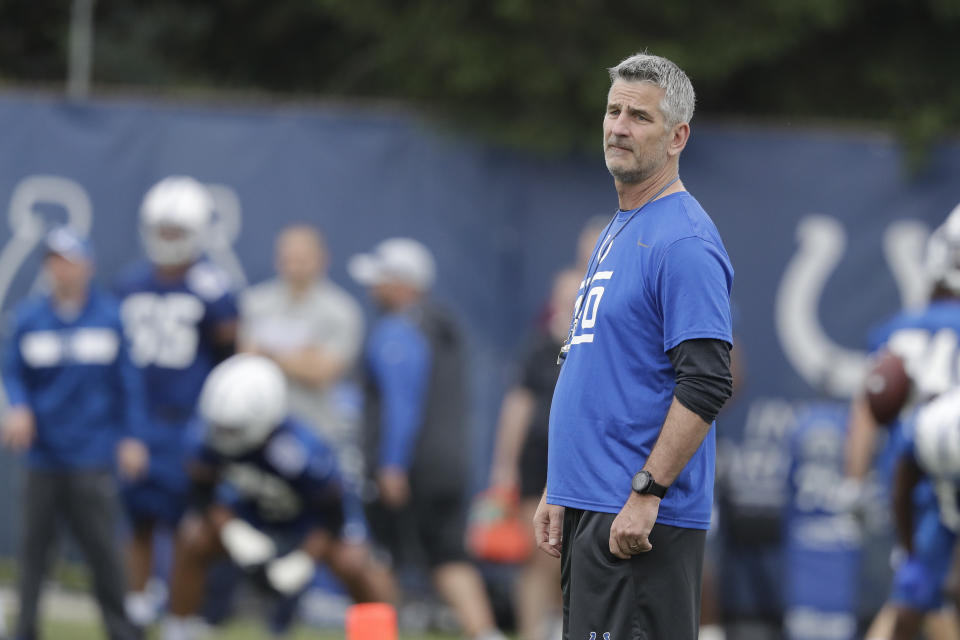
{"x":171,"y":328}
{"x":291,"y":480}
{"x":663,"y":279}
{"x":76,"y":376}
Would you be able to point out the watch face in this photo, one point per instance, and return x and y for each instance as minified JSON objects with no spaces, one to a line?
{"x":641,"y":481}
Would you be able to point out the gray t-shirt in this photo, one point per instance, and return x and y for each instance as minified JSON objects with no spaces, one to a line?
{"x":327,"y":318}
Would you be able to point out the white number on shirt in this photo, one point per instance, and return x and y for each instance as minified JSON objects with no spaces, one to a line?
{"x":163,"y":328}
{"x":931,"y":360}
{"x":588,"y":319}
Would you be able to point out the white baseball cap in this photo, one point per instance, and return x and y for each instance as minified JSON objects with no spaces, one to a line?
{"x":394,"y":260}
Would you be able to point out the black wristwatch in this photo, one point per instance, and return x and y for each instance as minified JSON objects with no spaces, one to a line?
{"x":644,"y":483}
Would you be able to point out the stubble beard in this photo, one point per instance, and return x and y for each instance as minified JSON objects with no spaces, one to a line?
{"x":644,"y":168}
{"x":631,"y":175}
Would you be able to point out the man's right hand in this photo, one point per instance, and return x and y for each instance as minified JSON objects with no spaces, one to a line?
{"x":19,"y":428}
{"x":548,"y":527}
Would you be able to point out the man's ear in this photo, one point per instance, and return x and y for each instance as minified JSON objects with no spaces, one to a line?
{"x":678,"y":138}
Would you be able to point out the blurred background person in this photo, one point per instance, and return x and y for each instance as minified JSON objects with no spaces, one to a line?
{"x":309,"y":326}
{"x":76,"y":405}
{"x":180,"y":315}
{"x":916,"y":359}
{"x":520,"y":456}
{"x":267,"y":492}
{"x":313,"y":330}
{"x":930,"y":453}
{"x":416,"y":420}
{"x":587,"y":241}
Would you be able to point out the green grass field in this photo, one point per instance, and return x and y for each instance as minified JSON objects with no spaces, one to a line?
{"x":239,"y":631}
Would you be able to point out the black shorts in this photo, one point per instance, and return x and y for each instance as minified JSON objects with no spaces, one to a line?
{"x":651,"y":596}
{"x":432,"y":528}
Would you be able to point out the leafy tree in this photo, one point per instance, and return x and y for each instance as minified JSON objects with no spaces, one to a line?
{"x":529,"y":73}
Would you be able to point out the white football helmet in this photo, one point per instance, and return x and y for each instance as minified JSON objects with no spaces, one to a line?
{"x":174,"y":218}
{"x":942,"y":258}
{"x":243,"y":400}
{"x":937,"y":436}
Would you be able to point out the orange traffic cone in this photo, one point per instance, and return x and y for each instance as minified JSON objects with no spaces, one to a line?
{"x":372,"y":621}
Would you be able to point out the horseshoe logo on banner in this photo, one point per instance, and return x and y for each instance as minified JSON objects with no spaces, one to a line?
{"x":28,"y":225}
{"x":821,"y":242}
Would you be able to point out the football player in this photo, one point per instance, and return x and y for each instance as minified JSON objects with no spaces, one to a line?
{"x":925,"y":343}
{"x":931,"y":452}
{"x":266,"y":492}
{"x":180,"y":317}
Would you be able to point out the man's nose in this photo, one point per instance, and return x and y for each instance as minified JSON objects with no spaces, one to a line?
{"x":619,"y":126}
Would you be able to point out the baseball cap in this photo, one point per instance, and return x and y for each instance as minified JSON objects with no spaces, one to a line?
{"x":394,"y":260}
{"x":68,"y":243}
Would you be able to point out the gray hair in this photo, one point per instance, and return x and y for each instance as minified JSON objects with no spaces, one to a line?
{"x":678,"y":98}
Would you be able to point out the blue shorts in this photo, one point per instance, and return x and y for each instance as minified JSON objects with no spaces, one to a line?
{"x":918,"y":582}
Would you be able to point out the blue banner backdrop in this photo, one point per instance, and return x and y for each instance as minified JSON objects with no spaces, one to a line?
{"x":824,"y":229}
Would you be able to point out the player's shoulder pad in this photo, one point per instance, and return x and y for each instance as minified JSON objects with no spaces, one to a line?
{"x":287,"y":453}
{"x":208,"y":281}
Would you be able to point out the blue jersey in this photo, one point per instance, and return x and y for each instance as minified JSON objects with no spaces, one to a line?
{"x":76,"y":376}
{"x":292,"y":480}
{"x":661,"y":278}
{"x":927,"y":341}
{"x":171,"y":328}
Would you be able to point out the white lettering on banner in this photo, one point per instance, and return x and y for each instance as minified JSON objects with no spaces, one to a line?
{"x":163,"y":328}
{"x":821,"y":244}
{"x":804,"y":622}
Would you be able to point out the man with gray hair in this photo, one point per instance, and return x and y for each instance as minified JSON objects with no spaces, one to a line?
{"x":646,"y":369}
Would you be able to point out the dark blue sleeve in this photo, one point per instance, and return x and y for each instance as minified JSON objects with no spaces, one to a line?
{"x":693,"y":291}
{"x":399,"y":359}
{"x":14,"y":368}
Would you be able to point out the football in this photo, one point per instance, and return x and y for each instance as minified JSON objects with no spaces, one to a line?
{"x":887,"y":388}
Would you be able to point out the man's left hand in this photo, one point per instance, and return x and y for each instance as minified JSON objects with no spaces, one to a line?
{"x":630,"y":531}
